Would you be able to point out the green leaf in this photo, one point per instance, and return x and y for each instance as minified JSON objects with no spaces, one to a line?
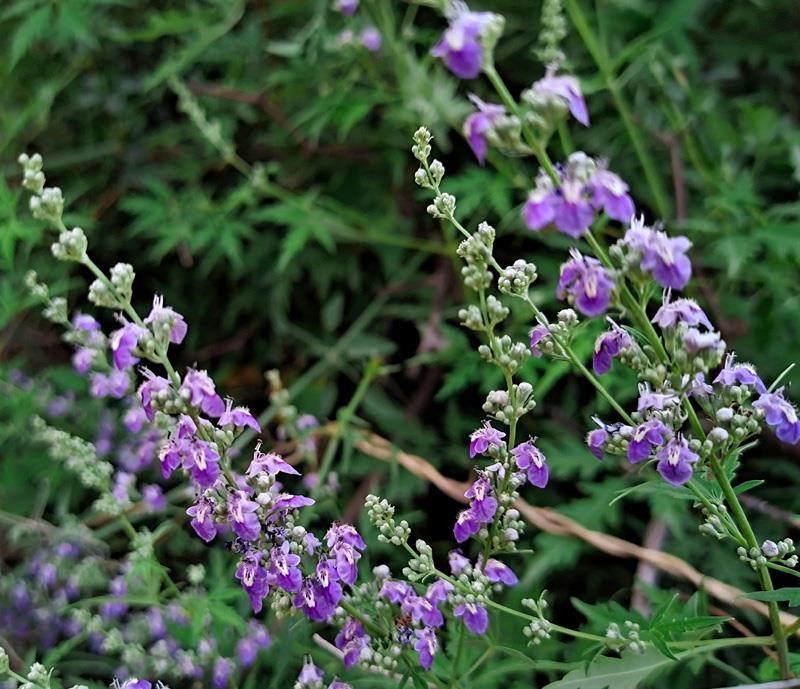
{"x":605,"y":672}
{"x":29,"y":31}
{"x":789,"y":595}
{"x":747,"y":485}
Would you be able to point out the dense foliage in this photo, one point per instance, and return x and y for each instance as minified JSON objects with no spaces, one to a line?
{"x":250,"y":161}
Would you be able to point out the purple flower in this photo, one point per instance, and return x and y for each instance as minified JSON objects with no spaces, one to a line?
{"x":458,"y":563}
{"x":165,"y":317}
{"x":662,"y":256}
{"x":221,"y":673}
{"x":134,"y":419}
{"x":82,"y":359}
{"x":202,"y":514}
{"x":482,"y":504}
{"x":395,"y":591}
{"x":565,"y":89}
{"x":310,"y":675}
{"x":351,"y":640}
{"x":113,"y":384}
{"x":587,"y":282}
{"x":610,"y":193}
{"x":685,"y":311}
{"x":242,"y":516}
{"x":152,"y":387}
{"x":466,"y":525}
{"x":696,"y":341}
{"x":201,"y":393}
{"x":460,"y":46}
{"x":123,"y":342}
{"x":698,"y":387}
{"x":781,"y":415}
{"x":538,"y":333}
{"x":426,"y":646}
{"x":82,"y":321}
{"x":285,"y":502}
{"x":269,"y":463}
{"x":646,"y":436}
{"x":607,"y":346}
{"x":423,"y":610}
{"x":483,"y":438}
{"x":239,"y":417}
{"x":203,"y":462}
{"x":283,"y":569}
{"x":115,"y":609}
{"x":675,"y":461}
{"x":475,"y":617}
{"x":739,"y":374}
{"x":438,"y":591}
{"x":132,"y":684}
{"x":344,"y":544}
{"x":498,"y":572}
{"x":479,"y":124}
{"x":539,"y":210}
{"x":153,"y":498}
{"x":649,"y":399}
{"x":253,"y":578}
{"x":346,"y":7}
{"x":531,"y":460}
{"x":336,"y":684}
{"x":573,"y":214}
{"x":313,"y":601}
{"x":371,"y":39}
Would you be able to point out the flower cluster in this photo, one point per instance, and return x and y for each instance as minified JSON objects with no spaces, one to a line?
{"x":368,"y":37}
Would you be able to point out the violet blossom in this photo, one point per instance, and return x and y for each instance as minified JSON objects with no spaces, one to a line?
{"x":482,"y":504}
{"x":460,"y":45}
{"x":662,"y":256}
{"x":687,"y":311}
{"x":466,"y":525}
{"x":607,"y":346}
{"x":474,"y":616}
{"x":253,"y":577}
{"x":161,"y":316}
{"x":371,"y":39}
{"x":675,"y":461}
{"x":610,"y":193}
{"x":352,"y":640}
{"x":123,"y":342}
{"x":739,"y":374}
{"x":780,"y":414}
{"x":242,"y":517}
{"x":426,"y":646}
{"x":588,"y":283}
{"x":202,"y":514}
{"x":531,"y":459}
{"x":564,"y":89}
{"x":484,"y":438}
{"x":478,"y":125}
{"x":646,"y":436}
{"x":199,"y":389}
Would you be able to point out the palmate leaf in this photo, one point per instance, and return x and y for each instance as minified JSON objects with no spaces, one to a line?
{"x":605,"y":672}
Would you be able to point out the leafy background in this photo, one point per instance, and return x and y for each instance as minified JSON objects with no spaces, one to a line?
{"x":333,"y":258}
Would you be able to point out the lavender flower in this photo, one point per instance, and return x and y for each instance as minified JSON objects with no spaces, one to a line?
{"x":478,"y":125}
{"x":539,"y":210}
{"x":242,"y":517}
{"x":114,"y":384}
{"x":352,"y":640}
{"x":781,"y":415}
{"x":596,"y":440}
{"x":672,"y":313}
{"x":482,"y":504}
{"x":153,"y":498}
{"x":269,"y":463}
{"x":564,"y":90}
{"x":123,"y":342}
{"x":587,"y":283}
{"x":530,"y":458}
{"x":460,"y":46}
{"x":498,"y":572}
{"x":253,"y":578}
{"x":466,"y":525}
{"x":202,"y":514}
{"x":221,"y":673}
{"x":347,"y":7}
{"x":675,"y":461}
{"x":283,"y":569}
{"x":426,"y":646}
{"x":395,"y":591}
{"x":662,"y":256}
{"x":474,"y":616}
{"x":610,"y":193}
{"x":607,"y":346}
{"x":239,"y":417}
{"x":371,"y":39}
{"x":150,"y":391}
{"x":484,"y":438}
{"x":200,"y":392}
{"x":646,"y":437}
{"x":310,"y":675}
{"x":739,"y":374}
{"x":164,"y":318}
{"x":538,"y":334}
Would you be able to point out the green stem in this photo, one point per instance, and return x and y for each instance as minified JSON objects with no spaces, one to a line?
{"x":654,"y":180}
{"x":457,"y":659}
{"x":763,"y":572}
